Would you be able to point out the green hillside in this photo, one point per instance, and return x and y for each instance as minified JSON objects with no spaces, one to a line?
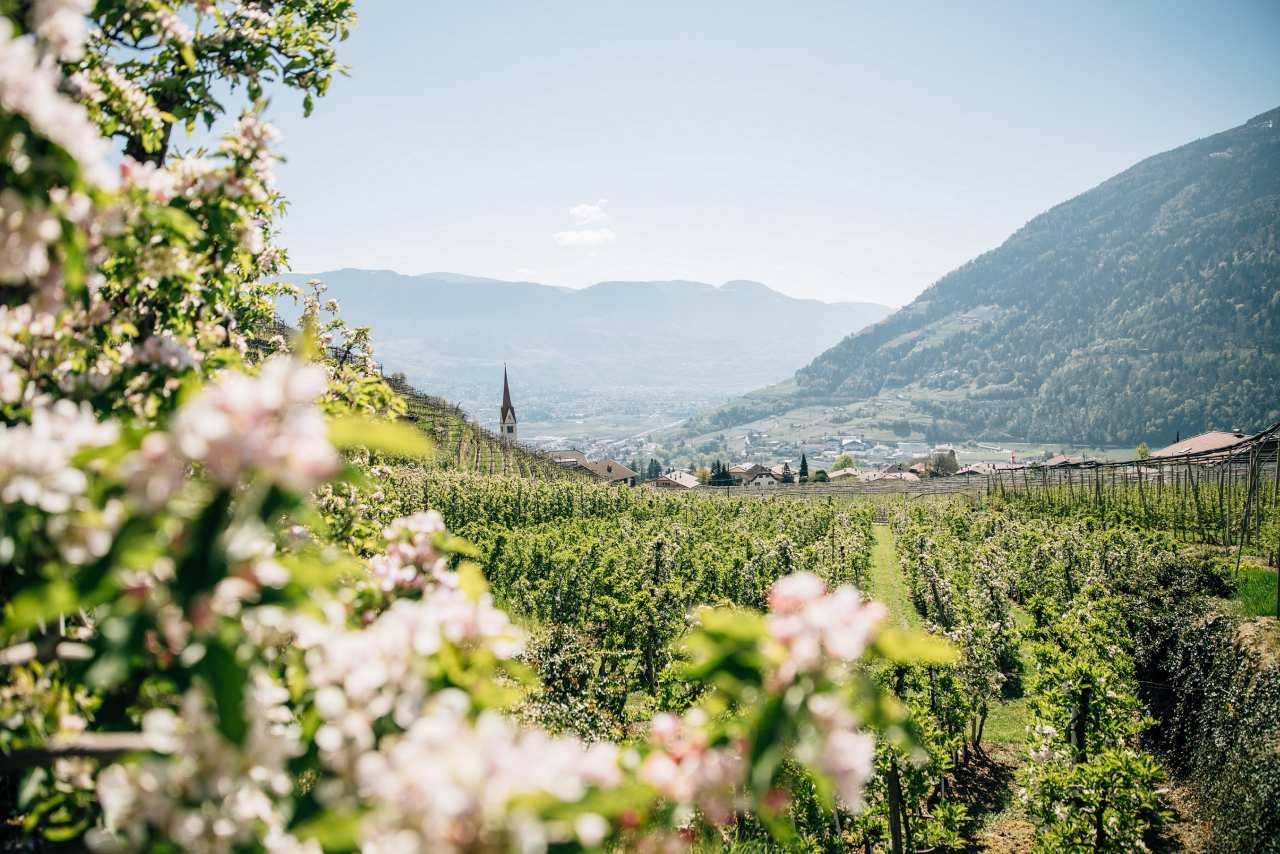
{"x":466,"y":446}
{"x":1147,"y":306}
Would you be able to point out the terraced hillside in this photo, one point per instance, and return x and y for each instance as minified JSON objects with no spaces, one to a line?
{"x":466,"y":446}
{"x":459,"y":443}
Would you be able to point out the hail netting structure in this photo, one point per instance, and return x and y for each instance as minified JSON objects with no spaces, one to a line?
{"x":1224,"y":495}
{"x":459,"y":443}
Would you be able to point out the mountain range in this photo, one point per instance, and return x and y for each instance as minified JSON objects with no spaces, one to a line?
{"x":1145,"y":307}
{"x":451,"y":334}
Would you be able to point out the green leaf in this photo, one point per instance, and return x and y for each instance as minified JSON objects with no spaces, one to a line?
{"x":226,"y":678}
{"x":39,"y":604}
{"x":766,"y":744}
{"x":173,"y":220}
{"x":910,"y":647}
{"x":188,"y":57}
{"x":471,"y":580}
{"x":335,"y":830}
{"x":389,"y":437}
{"x":735,"y":623}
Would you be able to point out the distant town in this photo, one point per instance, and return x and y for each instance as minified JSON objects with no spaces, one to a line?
{"x":768,"y":463}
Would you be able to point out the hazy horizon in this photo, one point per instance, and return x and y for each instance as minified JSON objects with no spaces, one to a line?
{"x":427,"y":274}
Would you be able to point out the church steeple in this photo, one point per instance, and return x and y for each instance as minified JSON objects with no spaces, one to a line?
{"x":507,"y":415}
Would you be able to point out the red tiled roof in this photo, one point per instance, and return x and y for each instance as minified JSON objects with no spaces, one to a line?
{"x":1210,"y":441}
{"x":610,"y":469}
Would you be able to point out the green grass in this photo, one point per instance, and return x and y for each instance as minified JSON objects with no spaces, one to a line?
{"x":1007,"y":720}
{"x":886,"y":580}
{"x":1256,"y":594}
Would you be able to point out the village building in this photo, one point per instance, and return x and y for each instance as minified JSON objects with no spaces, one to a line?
{"x":676,"y":480}
{"x":1061,"y":460}
{"x":507,"y":414}
{"x":568,"y":457}
{"x":612,"y":471}
{"x":1213,"y":440}
{"x":763,"y":480}
{"x":742,"y":473}
{"x":781,"y":472}
{"x":844,"y":474}
{"x":606,"y":470}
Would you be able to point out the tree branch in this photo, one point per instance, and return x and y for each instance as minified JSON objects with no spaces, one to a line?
{"x":96,"y":745}
{"x":47,"y":648}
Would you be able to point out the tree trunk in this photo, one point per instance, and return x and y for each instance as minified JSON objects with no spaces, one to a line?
{"x":895,"y":809}
{"x":1100,"y":825}
{"x":1080,"y":726}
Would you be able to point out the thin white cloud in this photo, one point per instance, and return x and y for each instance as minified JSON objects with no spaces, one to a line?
{"x":588,"y":213}
{"x":585,"y":237}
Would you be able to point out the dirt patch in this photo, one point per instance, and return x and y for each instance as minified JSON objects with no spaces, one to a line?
{"x":1262,"y":636}
{"x":985,"y":785}
{"x":1006,"y":834}
{"x":1185,"y":832}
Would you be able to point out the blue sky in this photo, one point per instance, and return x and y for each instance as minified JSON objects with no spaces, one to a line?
{"x":837,"y":150}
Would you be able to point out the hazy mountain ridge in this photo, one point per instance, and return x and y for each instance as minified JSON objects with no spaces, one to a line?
{"x":448,"y":332}
{"x":1146,"y":306}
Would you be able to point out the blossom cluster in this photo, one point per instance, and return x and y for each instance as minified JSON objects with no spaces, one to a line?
{"x":685,"y":770}
{"x":37,"y":464}
{"x":201,"y":791}
{"x":451,"y":783}
{"x":846,"y":754}
{"x":27,"y":228}
{"x":61,"y":25}
{"x":815,"y":627}
{"x":410,"y":559}
{"x":266,"y":425}
{"x":29,"y":87}
{"x":364,"y":675}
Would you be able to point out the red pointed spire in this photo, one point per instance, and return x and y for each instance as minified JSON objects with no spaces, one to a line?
{"x":506,"y":399}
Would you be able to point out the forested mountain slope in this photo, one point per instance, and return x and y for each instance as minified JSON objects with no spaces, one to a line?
{"x":1143,"y":307}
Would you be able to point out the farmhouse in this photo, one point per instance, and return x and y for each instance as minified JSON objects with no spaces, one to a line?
{"x":607,"y":470}
{"x":1211,"y":441}
{"x":744,"y":472}
{"x":676,"y":480}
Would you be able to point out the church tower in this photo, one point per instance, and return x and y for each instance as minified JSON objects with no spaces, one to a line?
{"x":507,"y":415}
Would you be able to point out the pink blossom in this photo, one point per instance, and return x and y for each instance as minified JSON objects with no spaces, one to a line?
{"x":30,"y":88}
{"x":682,"y":767}
{"x":848,"y":757}
{"x":267,"y":424}
{"x":792,"y":593}
{"x":36,"y":459}
{"x":815,"y":627}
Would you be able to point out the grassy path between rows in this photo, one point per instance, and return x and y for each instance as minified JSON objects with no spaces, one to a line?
{"x":886,"y":581}
{"x":1007,"y":721}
